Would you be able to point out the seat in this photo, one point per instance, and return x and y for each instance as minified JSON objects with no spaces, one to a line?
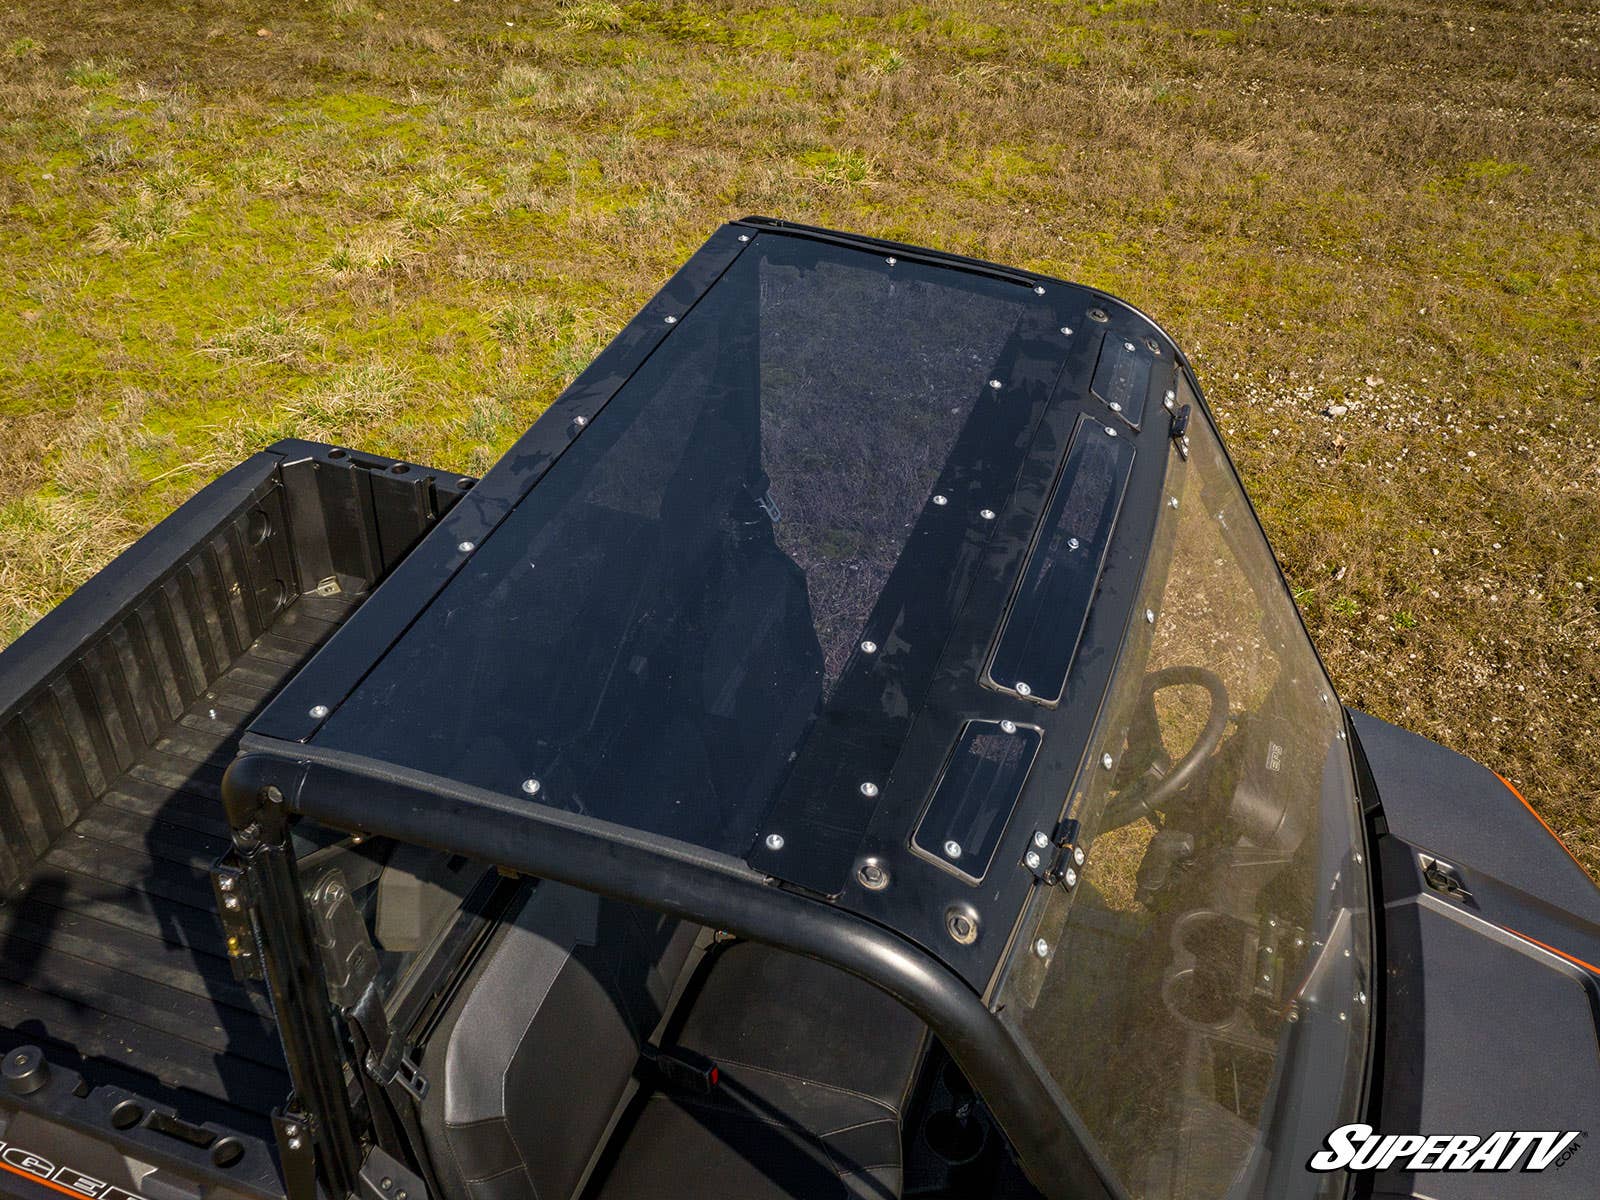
{"x":816,"y":1069}
{"x":534,"y":1060}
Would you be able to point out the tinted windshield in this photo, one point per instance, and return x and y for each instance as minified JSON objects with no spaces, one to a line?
{"x":1206,"y":981}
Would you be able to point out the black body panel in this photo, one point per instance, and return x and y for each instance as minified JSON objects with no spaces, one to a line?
{"x":1490,"y":1004}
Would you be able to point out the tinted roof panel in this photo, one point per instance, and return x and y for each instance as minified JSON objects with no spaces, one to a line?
{"x":652,"y":634}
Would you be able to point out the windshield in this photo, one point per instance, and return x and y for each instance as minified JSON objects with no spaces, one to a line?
{"x":1201,"y":996}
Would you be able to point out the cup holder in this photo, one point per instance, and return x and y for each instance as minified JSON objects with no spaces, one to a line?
{"x":957,"y":1135}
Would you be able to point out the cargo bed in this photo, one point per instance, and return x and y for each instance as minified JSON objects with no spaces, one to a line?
{"x":118,"y":714}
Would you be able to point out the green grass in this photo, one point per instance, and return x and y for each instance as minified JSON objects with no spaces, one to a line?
{"x":406,"y":226}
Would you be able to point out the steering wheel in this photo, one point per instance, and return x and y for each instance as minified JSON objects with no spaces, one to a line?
{"x":1157,"y":787}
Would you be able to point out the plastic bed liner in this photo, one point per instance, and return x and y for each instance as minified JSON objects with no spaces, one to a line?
{"x":119,"y":713}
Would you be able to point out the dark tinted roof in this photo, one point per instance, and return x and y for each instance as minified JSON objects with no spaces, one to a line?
{"x":653,"y":632}
{"x":745,"y":585}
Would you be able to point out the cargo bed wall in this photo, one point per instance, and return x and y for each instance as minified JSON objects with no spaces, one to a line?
{"x":118,"y":713}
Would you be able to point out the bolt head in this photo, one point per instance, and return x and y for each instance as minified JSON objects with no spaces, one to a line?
{"x":294,"y":1143}
{"x":986,"y":513}
{"x":891,"y":260}
{"x":1107,"y":761}
{"x":941,"y":501}
{"x":1042,"y":948}
{"x":230,"y":902}
{"x":466,"y":547}
{"x":962,"y":927}
{"x":1038,"y":289}
{"x":225,"y":883}
{"x":531,"y":786}
{"x":318,"y":711}
{"x":996,"y":384}
{"x":1077,"y":855}
{"x":580,"y":421}
{"x":1170,"y":396}
{"x":1069,"y":878}
{"x":774,"y":841}
{"x":1039,"y":839}
{"x":869,"y":647}
{"x":952,"y":849}
{"x":1008,"y":726}
{"x":1032,"y":859}
{"x":1115,"y":407}
{"x":672,"y":320}
{"x":873,"y":877}
{"x":1128,"y":346}
{"x":869,"y":789}
{"x":1073,"y":543}
{"x":744,"y":237}
{"x":1110,"y":432}
{"x":1066,"y":331}
{"x":1149,"y":616}
{"x":1172,"y":502}
{"x":1024,"y":689}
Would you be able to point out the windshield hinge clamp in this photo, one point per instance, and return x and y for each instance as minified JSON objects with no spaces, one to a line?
{"x":1180,"y":431}
{"x":1067,"y":859}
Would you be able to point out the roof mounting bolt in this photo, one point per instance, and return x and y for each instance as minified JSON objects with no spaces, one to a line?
{"x":531,"y":786}
{"x":1069,"y":878}
{"x":869,"y":647}
{"x":1023,"y":689}
{"x":1008,"y":726}
{"x":986,"y":513}
{"x":1038,"y":289}
{"x":1077,"y":856}
{"x":1107,"y":761}
{"x":952,"y":848}
{"x":869,"y":789}
{"x":318,"y":711}
{"x":466,"y":547}
{"x":1042,"y":948}
{"x":1040,"y":839}
{"x":1032,"y":859}
{"x":672,"y":320}
{"x":1073,"y":543}
{"x":1149,"y":616}
{"x":774,"y":841}
{"x":996,"y":384}
{"x":1066,"y":331}
{"x":872,"y":876}
{"x":941,"y":501}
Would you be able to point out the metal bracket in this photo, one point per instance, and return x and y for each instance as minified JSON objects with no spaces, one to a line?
{"x":405,"y":1072}
{"x":1180,"y":430}
{"x":348,"y":958}
{"x":385,"y":1177}
{"x":296,"y":1153}
{"x":228,"y":886}
{"x":1055,"y":860}
{"x":1443,"y":877}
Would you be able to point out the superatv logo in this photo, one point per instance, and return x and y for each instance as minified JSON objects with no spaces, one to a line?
{"x":1359,"y":1148}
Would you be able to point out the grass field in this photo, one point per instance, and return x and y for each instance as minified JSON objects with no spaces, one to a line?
{"x":406,"y":226}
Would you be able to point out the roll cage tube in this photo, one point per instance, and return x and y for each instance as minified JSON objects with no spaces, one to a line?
{"x":364,"y":796}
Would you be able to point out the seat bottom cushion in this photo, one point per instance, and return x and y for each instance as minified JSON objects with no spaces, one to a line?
{"x":816,"y":1068}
